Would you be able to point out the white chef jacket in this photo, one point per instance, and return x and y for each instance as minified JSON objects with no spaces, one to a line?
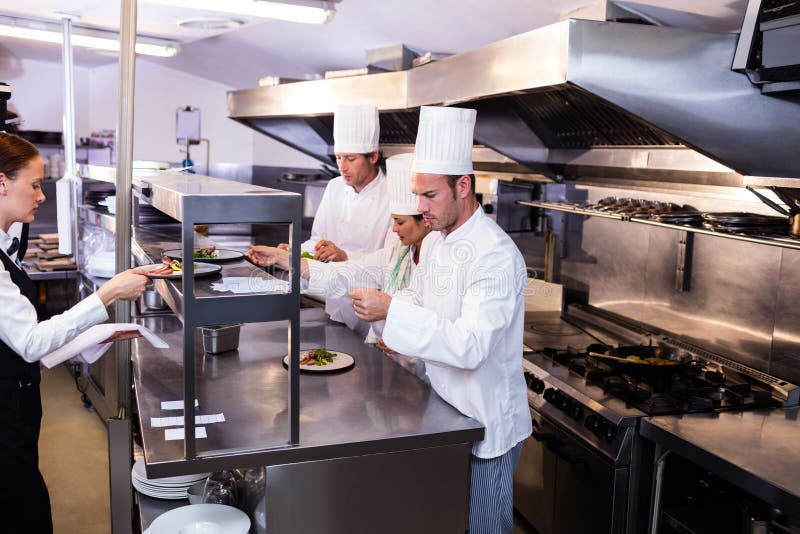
{"x":463,"y":314}
{"x":20,"y":328}
{"x":357,"y":223}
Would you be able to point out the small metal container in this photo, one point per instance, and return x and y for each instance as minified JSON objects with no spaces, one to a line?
{"x":151,"y":301}
{"x":221,"y":339}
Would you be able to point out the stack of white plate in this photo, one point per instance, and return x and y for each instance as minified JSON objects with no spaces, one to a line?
{"x":162,"y":488}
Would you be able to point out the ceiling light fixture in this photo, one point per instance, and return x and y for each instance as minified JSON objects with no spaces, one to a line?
{"x":84,"y":37}
{"x":307,"y":11}
{"x":209,"y":23}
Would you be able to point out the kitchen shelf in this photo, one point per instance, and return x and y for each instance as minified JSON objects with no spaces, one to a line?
{"x":784,"y":242}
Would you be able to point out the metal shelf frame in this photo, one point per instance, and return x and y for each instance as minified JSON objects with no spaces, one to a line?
{"x":193,"y":200}
{"x":570,"y":208}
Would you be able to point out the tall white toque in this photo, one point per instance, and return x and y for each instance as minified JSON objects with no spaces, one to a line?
{"x":355,"y":129}
{"x":398,"y":171}
{"x":444,"y":140}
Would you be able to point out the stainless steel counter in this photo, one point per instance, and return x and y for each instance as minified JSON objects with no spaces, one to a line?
{"x":755,"y":450}
{"x":376,"y":407}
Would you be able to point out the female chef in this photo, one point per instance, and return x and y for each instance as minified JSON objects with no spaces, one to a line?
{"x":24,"y":339}
{"x":389,"y":269}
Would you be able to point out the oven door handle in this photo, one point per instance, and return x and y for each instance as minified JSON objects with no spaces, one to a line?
{"x":543,"y":437}
{"x":569,"y":458}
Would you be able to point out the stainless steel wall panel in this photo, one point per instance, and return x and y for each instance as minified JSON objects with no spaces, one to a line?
{"x":606,"y":260}
{"x":730,"y":305}
{"x":785,"y":361}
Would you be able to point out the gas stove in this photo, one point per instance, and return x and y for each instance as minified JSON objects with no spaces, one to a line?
{"x":599,"y":400}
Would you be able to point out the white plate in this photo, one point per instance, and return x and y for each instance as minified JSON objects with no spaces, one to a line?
{"x":139,"y":472}
{"x":200,"y":269}
{"x":202,"y":519}
{"x":224,"y":255}
{"x":340,"y":362}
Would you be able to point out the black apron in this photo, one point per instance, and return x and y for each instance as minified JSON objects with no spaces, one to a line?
{"x":24,"y":501}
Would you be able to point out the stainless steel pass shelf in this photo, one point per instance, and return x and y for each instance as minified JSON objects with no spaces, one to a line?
{"x":375,"y":407}
{"x":784,"y":242}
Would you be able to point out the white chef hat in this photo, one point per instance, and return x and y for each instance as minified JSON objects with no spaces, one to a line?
{"x":355,"y":129}
{"x":444,"y":140}
{"x":398,"y":171}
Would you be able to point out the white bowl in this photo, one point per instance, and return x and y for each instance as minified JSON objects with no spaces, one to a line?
{"x":201,"y":519}
{"x":195,"y":492}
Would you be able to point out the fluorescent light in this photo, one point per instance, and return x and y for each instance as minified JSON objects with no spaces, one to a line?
{"x":308,"y":11}
{"x":83,"y":37}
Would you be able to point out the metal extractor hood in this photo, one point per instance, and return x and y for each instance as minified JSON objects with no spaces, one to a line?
{"x":574,"y":99}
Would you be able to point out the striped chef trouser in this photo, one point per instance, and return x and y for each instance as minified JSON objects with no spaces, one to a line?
{"x":491,"y":493}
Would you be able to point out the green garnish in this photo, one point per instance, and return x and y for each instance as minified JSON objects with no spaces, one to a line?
{"x":308,"y":255}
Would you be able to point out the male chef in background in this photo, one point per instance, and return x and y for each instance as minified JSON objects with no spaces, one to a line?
{"x":463,"y":313}
{"x":353,"y":217}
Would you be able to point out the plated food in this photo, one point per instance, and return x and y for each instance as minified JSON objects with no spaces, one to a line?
{"x":210,"y":254}
{"x":169,"y":268}
{"x":321,"y":360}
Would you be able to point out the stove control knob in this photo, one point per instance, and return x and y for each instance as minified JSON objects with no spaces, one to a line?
{"x":538,"y":385}
{"x":550,"y":394}
{"x":575,"y":410}
{"x":608,"y":432}
{"x":529,"y":378}
{"x":592,"y":423}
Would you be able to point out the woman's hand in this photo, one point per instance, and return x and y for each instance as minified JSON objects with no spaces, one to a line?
{"x":370,"y":304}
{"x":266,"y":256}
{"x":127,"y":285}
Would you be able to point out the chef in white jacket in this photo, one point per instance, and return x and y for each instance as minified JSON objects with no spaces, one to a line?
{"x":463,"y":313}
{"x":353,"y":215}
{"x":389,"y":269}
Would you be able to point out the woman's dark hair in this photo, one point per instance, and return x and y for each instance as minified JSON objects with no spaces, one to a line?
{"x":15,"y":154}
{"x":417,"y":217}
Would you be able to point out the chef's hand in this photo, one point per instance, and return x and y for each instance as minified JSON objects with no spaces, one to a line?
{"x":381,"y":345}
{"x":266,"y":256}
{"x":327,"y":251}
{"x":370,"y":304}
{"x":284,"y":246}
{"x":127,"y":285}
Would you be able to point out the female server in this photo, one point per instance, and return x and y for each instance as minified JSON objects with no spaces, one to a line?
{"x":24,"y":339}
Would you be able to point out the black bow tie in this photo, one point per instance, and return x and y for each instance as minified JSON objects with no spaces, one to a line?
{"x":14,"y":246}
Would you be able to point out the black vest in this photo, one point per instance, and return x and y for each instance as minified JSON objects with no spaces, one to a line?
{"x":11,"y":364}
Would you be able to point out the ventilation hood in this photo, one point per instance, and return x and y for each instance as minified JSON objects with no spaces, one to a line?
{"x":576,"y":99}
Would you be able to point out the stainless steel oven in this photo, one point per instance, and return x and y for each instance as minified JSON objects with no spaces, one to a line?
{"x":562,"y":486}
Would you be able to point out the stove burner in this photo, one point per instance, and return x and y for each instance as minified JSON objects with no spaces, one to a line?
{"x":694,"y":386}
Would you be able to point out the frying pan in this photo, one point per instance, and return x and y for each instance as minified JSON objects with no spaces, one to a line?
{"x":650,"y":360}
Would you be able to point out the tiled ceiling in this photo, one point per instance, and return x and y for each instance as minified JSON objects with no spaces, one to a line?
{"x":239,"y":57}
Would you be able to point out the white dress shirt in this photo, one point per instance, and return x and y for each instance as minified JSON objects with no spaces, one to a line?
{"x":357,"y":223}
{"x":21,"y":330}
{"x":463,"y":314}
